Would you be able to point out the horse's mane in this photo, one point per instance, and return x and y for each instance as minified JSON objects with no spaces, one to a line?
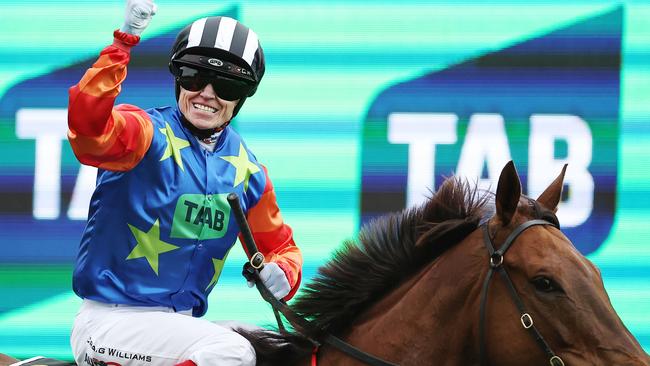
{"x":389,"y":250}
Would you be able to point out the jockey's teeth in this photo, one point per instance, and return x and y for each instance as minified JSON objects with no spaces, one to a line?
{"x":204,"y":108}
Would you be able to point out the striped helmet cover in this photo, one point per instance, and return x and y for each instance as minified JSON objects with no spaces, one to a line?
{"x":223,"y":38}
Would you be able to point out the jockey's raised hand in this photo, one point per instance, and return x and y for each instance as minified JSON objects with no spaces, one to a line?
{"x":274,"y":279}
{"x":137,"y":16}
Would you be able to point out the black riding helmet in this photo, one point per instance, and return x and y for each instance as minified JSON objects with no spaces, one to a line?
{"x":222,"y":46}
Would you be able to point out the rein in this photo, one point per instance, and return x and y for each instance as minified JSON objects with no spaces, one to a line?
{"x":496,"y":265}
{"x":299,"y":322}
{"x":251,"y":272}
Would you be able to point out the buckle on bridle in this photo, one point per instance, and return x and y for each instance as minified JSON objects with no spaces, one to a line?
{"x":527,"y":320}
{"x":556,"y":361}
{"x":496,"y":260}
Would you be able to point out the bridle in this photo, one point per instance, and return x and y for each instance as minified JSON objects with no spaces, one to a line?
{"x":298,"y":322}
{"x":496,"y":265}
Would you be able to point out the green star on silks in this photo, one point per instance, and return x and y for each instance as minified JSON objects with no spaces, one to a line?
{"x":149,"y":245}
{"x":244,"y":168}
{"x":218,"y":266}
{"x":174,"y":145}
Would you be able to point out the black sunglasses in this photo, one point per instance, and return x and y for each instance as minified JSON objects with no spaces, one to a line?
{"x":229,"y":89}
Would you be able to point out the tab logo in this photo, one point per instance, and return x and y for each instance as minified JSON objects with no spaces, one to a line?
{"x":542,"y":102}
{"x":202,"y":217}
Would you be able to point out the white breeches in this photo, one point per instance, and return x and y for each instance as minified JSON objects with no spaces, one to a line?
{"x":121,"y":335}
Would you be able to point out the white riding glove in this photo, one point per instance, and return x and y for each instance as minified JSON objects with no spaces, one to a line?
{"x":274,"y":279}
{"x":137,"y":16}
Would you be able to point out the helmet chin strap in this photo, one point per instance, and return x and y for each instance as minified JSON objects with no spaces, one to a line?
{"x":199,"y":132}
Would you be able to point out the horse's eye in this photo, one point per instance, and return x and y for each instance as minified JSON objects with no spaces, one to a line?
{"x":545,"y":284}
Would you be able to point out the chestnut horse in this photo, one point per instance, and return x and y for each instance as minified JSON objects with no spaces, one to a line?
{"x":417,"y":288}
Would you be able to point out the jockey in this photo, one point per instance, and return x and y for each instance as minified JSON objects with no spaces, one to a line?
{"x":159,"y":227}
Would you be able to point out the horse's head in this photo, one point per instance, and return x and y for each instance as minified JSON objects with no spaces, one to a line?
{"x":444,"y":283}
{"x":561,"y":289}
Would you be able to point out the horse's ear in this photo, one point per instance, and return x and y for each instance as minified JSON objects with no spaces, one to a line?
{"x":508,"y":193}
{"x":551,"y":196}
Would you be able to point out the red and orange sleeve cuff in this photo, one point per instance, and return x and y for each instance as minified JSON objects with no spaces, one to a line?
{"x":121,"y":39}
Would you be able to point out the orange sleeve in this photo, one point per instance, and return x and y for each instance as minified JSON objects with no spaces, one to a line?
{"x":274,"y":238}
{"x":101,"y":135}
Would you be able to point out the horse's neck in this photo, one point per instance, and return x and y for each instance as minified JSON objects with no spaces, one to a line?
{"x":432,"y":315}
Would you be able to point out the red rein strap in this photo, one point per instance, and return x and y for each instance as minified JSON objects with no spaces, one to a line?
{"x":186,"y":363}
{"x":314,"y":359}
{"x":314,"y":356}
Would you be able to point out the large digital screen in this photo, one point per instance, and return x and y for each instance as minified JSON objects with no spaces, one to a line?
{"x":365,"y":108}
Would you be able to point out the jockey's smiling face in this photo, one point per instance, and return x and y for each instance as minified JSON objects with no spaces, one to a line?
{"x":204,"y":109}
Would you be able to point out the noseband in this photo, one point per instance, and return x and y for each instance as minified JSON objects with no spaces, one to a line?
{"x":496,"y":265}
